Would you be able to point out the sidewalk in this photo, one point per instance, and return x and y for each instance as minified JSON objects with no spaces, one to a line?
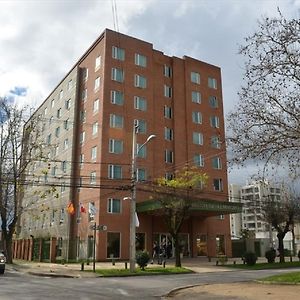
{"x":73,"y":270}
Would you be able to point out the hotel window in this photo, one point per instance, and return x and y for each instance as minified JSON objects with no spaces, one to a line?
{"x":54,"y":171}
{"x":61,"y":94}
{"x":195,"y":77}
{"x":218,"y":184}
{"x":114,"y":172}
{"x":167,"y":91}
{"x":113,"y":244}
{"x":58,"y":114}
{"x":117,"y":97}
{"x":117,"y":75}
{"x":97,"y":83}
{"x":197,"y":117}
{"x":57,"y":131}
{"x":140,"y":81}
{"x":212,"y":83}
{"x":68,"y":104}
{"x":70,"y":84}
{"x":66,"y":144}
{"x":82,"y":116}
{"x":96,"y":105}
{"x":118,"y":53}
{"x":49,"y":139}
{"x":52,"y":103}
{"x":199,"y":160}
{"x":66,"y":124}
{"x":140,"y":60}
{"x":95,"y":128}
{"x":56,"y":150}
{"x":142,"y":126}
{"x":116,"y":121}
{"x":169,"y":156}
{"x":141,"y":174}
{"x":115,"y":146}
{"x":62,"y":216}
{"x":97,"y":62}
{"x":94,"y":153}
{"x":168,"y":112}
{"x":64,"y":166}
{"x":85,"y":74}
{"x":167,"y":71}
{"x":92,"y":211}
{"x":84,"y":95}
{"x":213,"y":102}
{"x":45,"y":111}
{"x":215,"y":142}
{"x":216,"y":163}
{"x":93,"y":177}
{"x":197,"y":138}
{"x":196,"y":97}
{"x":114,"y":206}
{"x":141,"y":152}
{"x":81,"y":160}
{"x":82,"y":137}
{"x":169,"y":176}
{"x":140,"y":103}
{"x":214,"y":121}
{"x":168,"y":134}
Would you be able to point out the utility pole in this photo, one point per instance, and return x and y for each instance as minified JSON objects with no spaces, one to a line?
{"x":135,"y":152}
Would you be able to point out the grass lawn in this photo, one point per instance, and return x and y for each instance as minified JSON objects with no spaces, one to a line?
{"x":139,"y":272}
{"x":292,"y":278}
{"x":263,"y":266}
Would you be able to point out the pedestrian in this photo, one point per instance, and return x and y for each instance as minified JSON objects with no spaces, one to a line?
{"x":155,"y":251}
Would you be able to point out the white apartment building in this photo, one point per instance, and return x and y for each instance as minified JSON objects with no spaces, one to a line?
{"x":252,"y":195}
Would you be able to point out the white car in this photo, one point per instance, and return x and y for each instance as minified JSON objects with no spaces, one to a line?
{"x":2,"y":263}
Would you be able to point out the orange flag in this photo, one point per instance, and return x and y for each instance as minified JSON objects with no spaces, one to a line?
{"x":70,"y":208}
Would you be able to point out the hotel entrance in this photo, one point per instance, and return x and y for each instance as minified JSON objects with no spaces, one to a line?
{"x":165,"y":240}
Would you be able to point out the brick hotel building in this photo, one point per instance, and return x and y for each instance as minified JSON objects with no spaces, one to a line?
{"x":87,"y":124}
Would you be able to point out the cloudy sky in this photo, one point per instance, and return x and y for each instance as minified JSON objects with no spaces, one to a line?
{"x":40,"y":40}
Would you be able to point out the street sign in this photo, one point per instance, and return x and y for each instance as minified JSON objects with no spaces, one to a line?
{"x":102,"y":227}
{"x":98,"y":227}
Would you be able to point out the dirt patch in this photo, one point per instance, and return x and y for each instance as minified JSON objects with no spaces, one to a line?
{"x":245,"y":291}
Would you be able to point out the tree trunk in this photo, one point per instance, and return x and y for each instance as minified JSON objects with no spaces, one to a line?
{"x":294,"y":243}
{"x":177,"y":252}
{"x":8,"y":248}
{"x":280,"y":236}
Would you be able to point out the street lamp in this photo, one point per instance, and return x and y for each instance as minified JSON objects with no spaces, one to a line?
{"x":135,"y":152}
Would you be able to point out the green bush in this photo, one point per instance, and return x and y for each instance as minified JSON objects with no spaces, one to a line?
{"x":223,"y":259}
{"x":270,"y":255}
{"x":287,"y":252}
{"x":142,"y":259}
{"x":250,"y":258}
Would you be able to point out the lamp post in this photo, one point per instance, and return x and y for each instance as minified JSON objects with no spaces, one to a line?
{"x":135,"y":152}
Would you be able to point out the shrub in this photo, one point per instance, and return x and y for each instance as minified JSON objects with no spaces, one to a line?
{"x":142,"y":259}
{"x":270,"y":255}
{"x":287,"y":252}
{"x":250,"y":258}
{"x":299,"y":254}
{"x":223,"y":259}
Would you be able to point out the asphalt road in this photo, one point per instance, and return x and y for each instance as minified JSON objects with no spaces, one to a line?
{"x":14,"y":285}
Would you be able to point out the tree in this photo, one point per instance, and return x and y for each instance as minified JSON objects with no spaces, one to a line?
{"x":176,"y":197}
{"x":265,"y":124}
{"x":13,"y":164}
{"x":282,"y":215}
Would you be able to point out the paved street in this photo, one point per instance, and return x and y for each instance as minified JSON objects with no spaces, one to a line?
{"x":15,"y":285}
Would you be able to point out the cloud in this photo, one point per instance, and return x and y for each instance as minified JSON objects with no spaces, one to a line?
{"x":41,"y":40}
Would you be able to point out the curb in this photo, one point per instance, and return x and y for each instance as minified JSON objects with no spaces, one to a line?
{"x":53,"y":275}
{"x":173,"y":292}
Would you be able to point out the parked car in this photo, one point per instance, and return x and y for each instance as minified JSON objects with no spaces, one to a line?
{"x":2,"y":263}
